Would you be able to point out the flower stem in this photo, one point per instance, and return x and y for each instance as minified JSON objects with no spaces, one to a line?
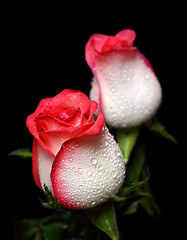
{"x":127,"y":139}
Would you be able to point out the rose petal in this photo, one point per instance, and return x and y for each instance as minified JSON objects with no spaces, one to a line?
{"x":110,"y":43}
{"x":66,"y":99}
{"x":54,"y":140}
{"x":93,"y":47}
{"x":35,"y":168}
{"x":41,"y":165}
{"x":95,"y":94}
{"x":131,"y":93}
{"x":96,"y":127}
{"x":88,"y":171}
{"x":43,"y":119}
{"x":75,"y":119}
{"x":33,"y":128}
{"x":100,"y":43}
{"x":128,"y":35}
{"x":49,"y":123}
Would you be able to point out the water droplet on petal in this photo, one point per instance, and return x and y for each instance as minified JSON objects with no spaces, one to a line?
{"x":89,"y":173}
{"x":80,"y":170}
{"x":114,"y":174}
{"x":93,"y":203}
{"x":94,"y":161}
{"x":100,"y":168}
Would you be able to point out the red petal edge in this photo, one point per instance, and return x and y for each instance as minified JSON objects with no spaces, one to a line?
{"x":67,"y":97}
{"x":35,"y":169}
{"x":99,"y":43}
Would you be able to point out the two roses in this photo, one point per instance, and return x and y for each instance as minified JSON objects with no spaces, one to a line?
{"x":74,"y":154}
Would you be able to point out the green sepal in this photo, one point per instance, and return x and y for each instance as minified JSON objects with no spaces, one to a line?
{"x":103,"y":216}
{"x":52,"y":201}
{"x":129,"y":197}
{"x":128,"y":188}
{"x":155,"y":126}
{"x":22,"y":153}
{"x":126,"y":140}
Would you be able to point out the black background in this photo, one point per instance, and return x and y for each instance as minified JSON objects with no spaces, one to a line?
{"x":44,"y":54}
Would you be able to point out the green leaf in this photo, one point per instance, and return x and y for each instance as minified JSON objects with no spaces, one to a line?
{"x":159,"y":129}
{"x":103,"y":216}
{"x":53,"y":227}
{"x":22,"y":153}
{"x":53,"y":201}
{"x":127,"y":139}
{"x":53,"y":231}
{"x":29,"y":229}
{"x":132,"y":208}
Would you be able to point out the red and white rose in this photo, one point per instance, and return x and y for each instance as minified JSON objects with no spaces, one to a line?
{"x":73,"y":154}
{"x":124,"y":84}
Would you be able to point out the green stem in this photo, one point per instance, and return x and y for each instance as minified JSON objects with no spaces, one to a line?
{"x":127,"y":139}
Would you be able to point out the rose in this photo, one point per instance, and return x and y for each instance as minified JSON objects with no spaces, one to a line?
{"x":73,"y":154}
{"x":124,"y":83}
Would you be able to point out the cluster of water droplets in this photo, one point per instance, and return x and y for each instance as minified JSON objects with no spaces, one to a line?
{"x":130,"y":90}
{"x":93,"y":171}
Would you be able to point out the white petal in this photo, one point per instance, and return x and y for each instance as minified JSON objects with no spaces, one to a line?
{"x":130,"y":91}
{"x":88,"y":171}
{"x":95,"y":94}
{"x":45,"y":161}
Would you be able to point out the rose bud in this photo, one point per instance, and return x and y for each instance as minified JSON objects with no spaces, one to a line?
{"x":74,"y":155}
{"x":124,"y":83}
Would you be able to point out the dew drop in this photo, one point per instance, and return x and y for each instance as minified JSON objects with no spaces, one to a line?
{"x":114,"y":174}
{"x":100,"y":168}
{"x":92,"y":203}
{"x":95,"y":180}
{"x":94,"y":161}
{"x":79,"y":170}
{"x":89,"y":173}
{"x":106,"y":144}
{"x":100,"y":173}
